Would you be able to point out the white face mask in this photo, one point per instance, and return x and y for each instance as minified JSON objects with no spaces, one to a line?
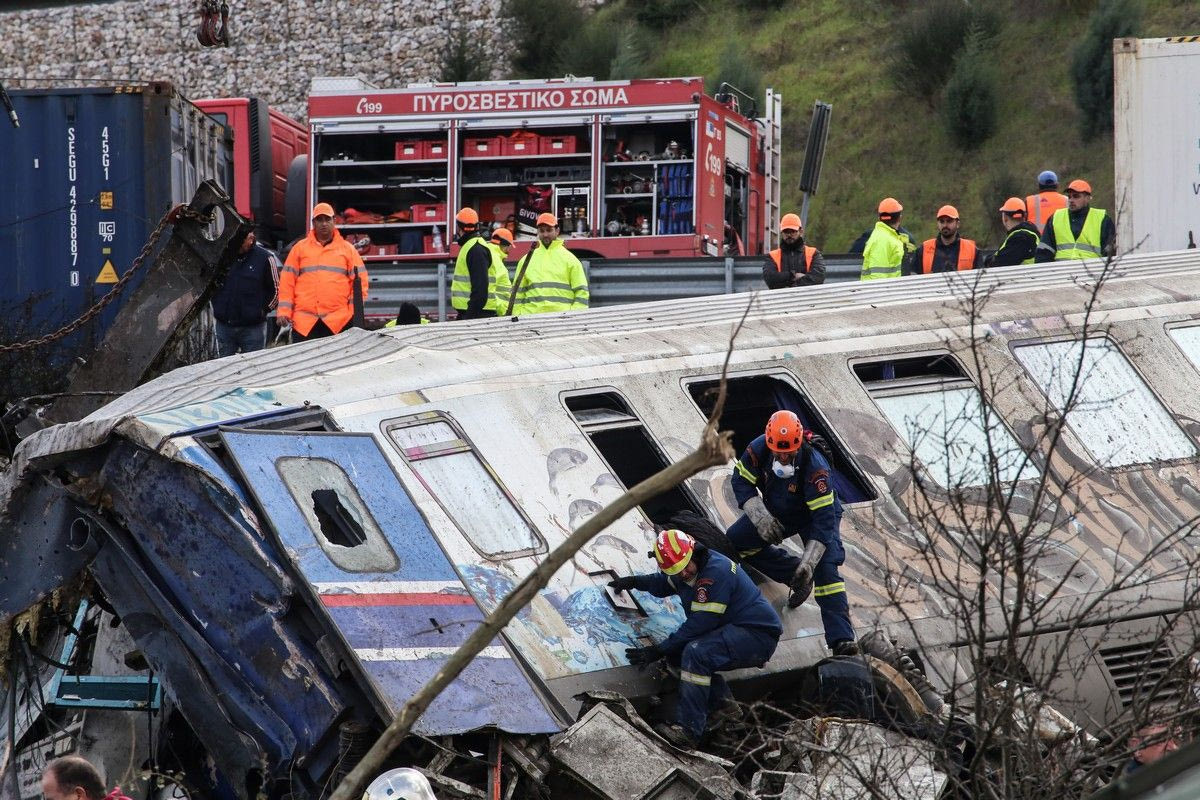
{"x":782,"y":470}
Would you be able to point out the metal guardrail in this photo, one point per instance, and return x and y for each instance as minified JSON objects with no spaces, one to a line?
{"x":611,"y":281}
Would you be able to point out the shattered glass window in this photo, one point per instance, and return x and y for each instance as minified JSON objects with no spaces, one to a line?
{"x":337,"y":515}
{"x":1105,"y":402}
{"x":950,"y":432}
{"x":466,"y":488}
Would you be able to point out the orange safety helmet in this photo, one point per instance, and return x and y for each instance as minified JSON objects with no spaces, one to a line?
{"x":673,"y":551}
{"x":1079,"y":185}
{"x":502,"y":235}
{"x":785,"y":434}
{"x":467,"y":216}
{"x":1014,"y":206}
{"x":889,"y":206}
{"x":546,"y":218}
{"x":790,"y":222}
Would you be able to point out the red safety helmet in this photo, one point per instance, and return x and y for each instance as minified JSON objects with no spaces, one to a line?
{"x":785,"y":434}
{"x":673,"y":551}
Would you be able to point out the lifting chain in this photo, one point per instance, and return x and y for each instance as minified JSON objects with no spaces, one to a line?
{"x":171,"y":217}
{"x":214,"y":23}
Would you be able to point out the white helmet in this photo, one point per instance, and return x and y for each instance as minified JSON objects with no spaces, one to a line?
{"x":400,"y":784}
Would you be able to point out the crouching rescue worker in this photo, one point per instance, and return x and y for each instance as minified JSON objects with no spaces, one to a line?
{"x":729,"y":625}
{"x":784,"y":487}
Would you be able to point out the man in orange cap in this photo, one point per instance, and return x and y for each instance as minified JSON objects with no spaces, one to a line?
{"x":886,"y":248}
{"x":793,"y":263}
{"x":1078,"y":231}
{"x":549,"y":277}
{"x":949,"y":252}
{"x":1021,"y":243}
{"x":316,"y":289}
{"x":472,"y":290}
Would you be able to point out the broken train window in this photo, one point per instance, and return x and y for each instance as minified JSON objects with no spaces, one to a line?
{"x":1105,"y":401}
{"x":466,"y":488}
{"x":337,"y":515}
{"x":750,"y":400}
{"x":627,"y":448}
{"x":939,"y":414}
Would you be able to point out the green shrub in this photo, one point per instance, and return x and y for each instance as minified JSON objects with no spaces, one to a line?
{"x":969,"y":106}
{"x":927,"y":40}
{"x":661,"y":13}
{"x":461,"y":61}
{"x":539,"y":26}
{"x":630,"y":58}
{"x":1092,"y":62}
{"x":737,"y":67}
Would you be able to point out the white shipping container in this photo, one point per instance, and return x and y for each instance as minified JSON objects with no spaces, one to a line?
{"x":1156,"y":97}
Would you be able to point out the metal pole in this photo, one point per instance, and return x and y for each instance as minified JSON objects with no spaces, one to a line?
{"x":728,"y":275}
{"x":804,"y":211}
{"x":441,"y":291}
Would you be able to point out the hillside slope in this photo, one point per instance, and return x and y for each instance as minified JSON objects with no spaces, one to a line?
{"x":886,"y":142}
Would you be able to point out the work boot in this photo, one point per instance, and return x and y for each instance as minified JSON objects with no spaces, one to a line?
{"x":676,"y":735}
{"x":846,"y":647}
{"x":728,"y":711}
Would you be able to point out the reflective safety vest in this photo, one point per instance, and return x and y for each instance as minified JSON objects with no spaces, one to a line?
{"x":317,"y":283}
{"x":460,"y":285}
{"x":1066,"y":246}
{"x":550,"y":279}
{"x":883,"y":254}
{"x":1013,"y":233}
{"x":1041,"y":207}
{"x":499,"y":282}
{"x":777,"y":257}
{"x":966,"y":255}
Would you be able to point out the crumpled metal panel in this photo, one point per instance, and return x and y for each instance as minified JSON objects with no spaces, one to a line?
{"x":403,"y":623}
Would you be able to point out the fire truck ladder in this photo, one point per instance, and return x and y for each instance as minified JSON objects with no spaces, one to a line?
{"x":773,"y":124}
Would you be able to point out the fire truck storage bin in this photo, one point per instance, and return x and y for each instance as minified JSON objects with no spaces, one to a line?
{"x":429,"y":212}
{"x":521,"y":143}
{"x":488,"y":146}
{"x":413,"y":242}
{"x":553,"y":145}
{"x":383,"y":250}
{"x":413,"y":150}
{"x":427,"y":243}
{"x":434,"y":148}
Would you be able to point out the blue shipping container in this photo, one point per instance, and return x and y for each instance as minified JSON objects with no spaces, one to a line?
{"x":83,"y":183}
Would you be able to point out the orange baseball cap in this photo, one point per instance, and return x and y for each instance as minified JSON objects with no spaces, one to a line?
{"x":1013,"y":205}
{"x":947,"y":211}
{"x":322,"y":210}
{"x":546,"y":218}
{"x":1079,"y":185}
{"x":890,"y":205}
{"x":502,"y":234}
{"x":789,"y":222}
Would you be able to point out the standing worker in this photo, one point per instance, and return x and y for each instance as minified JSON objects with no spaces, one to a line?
{"x":1078,"y":231}
{"x":729,"y":625}
{"x":549,"y":277}
{"x":500,"y":281}
{"x":784,"y":487}
{"x":1021,"y":244}
{"x":949,"y":252}
{"x":241,"y":302}
{"x":1040,"y":207}
{"x":472,"y":290}
{"x":885,"y":250}
{"x":793,"y":263}
{"x":316,"y":290}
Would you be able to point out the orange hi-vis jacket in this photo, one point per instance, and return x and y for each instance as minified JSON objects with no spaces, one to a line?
{"x":317,"y":283}
{"x":1041,"y":207}
{"x":966,"y":254}
{"x":777,"y":257}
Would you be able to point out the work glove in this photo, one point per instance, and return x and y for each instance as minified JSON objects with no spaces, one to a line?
{"x":642,"y":656}
{"x":802,"y":579}
{"x":770,"y":530}
{"x":622,"y":584}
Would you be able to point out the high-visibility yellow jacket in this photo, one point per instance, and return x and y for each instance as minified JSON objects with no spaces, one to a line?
{"x":884,"y":253}
{"x":499,"y":282}
{"x":317,"y":283}
{"x":553,"y":280}
{"x":1066,"y":246}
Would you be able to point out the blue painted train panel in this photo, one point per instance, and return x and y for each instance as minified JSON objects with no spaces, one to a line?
{"x":85,"y":179}
{"x":401,"y":613}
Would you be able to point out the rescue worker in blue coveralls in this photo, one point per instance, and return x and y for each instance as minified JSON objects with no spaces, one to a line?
{"x":729,"y":625}
{"x":784,"y":487}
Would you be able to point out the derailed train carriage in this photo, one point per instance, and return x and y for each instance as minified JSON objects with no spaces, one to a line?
{"x":280,"y":547}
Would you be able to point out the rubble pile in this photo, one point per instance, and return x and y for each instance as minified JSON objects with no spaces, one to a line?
{"x":277,"y":45}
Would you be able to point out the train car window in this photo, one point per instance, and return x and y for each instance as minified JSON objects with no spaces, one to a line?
{"x":465,"y":487}
{"x":1105,"y":402}
{"x":340,"y":521}
{"x":751,"y":400}
{"x":1188,"y":340}
{"x":938,"y":413}
{"x":626,"y":446}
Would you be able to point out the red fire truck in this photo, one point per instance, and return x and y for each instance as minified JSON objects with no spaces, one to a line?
{"x":639,"y":168}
